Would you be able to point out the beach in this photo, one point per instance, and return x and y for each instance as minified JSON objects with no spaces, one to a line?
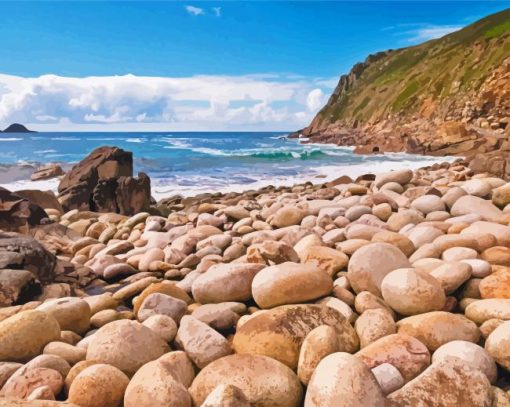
{"x":399,"y":275}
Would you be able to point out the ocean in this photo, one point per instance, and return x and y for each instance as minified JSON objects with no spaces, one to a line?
{"x":196,"y":162}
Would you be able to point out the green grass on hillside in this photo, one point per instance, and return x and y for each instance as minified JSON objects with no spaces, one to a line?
{"x":436,"y":71}
{"x":498,"y":30}
{"x":404,"y":96}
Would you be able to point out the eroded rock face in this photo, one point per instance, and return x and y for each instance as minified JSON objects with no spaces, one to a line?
{"x":18,"y":214}
{"x":47,"y":172}
{"x":17,"y":286}
{"x":103,"y":182}
{"x":35,"y":258}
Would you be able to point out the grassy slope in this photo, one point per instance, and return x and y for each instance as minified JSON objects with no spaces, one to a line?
{"x":435,"y":71}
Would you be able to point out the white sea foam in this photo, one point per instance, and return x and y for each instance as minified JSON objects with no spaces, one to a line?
{"x":10,"y":139}
{"x":135,"y":140}
{"x":176,"y":143}
{"x":210,"y":151}
{"x":195,"y":184}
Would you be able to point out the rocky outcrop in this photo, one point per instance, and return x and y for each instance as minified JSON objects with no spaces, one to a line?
{"x":18,"y":213}
{"x":47,"y":172}
{"x":43,"y":199}
{"x":103,"y":182}
{"x":445,"y":97}
{"x":24,"y":252}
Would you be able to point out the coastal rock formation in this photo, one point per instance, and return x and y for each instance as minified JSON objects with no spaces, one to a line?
{"x":389,"y":290}
{"x":47,"y":172}
{"x":103,"y":182}
{"x":448,"y":96}
{"x":18,"y":213}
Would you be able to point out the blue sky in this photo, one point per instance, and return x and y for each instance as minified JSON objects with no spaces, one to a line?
{"x":279,"y":59}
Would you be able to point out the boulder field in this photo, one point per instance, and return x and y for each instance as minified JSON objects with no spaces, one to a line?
{"x":389,"y":290}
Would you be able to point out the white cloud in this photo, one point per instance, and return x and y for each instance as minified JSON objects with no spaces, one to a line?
{"x":248,"y":102}
{"x":431,"y":32}
{"x":195,"y":11}
{"x":216,"y":11}
{"x":315,"y":99}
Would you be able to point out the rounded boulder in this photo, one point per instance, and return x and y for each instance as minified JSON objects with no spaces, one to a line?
{"x":371,"y":263}
{"x":290,"y":283}
{"x":341,"y":379}
{"x":98,"y":386}
{"x":126,"y":345}
{"x":24,"y":335}
{"x":264,"y":381}
{"x":280,"y":332}
{"x":409,"y":292}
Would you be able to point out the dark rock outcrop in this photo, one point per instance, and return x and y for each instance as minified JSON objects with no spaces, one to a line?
{"x":103,"y":182}
{"x":18,"y":213}
{"x":43,"y":199}
{"x":34,"y":257}
{"x":17,"y":286}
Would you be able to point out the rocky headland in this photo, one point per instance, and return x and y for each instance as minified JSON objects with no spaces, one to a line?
{"x":449,"y":96}
{"x":389,"y":290}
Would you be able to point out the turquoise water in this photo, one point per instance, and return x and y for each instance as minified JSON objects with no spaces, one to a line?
{"x":195,"y":162}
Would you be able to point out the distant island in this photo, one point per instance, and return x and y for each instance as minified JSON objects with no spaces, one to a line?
{"x":17,"y":128}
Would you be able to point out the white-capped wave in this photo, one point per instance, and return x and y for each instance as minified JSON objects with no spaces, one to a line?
{"x":10,"y":139}
{"x":65,"y":138}
{"x":135,"y":140}
{"x":210,"y":151}
{"x":177,"y":143}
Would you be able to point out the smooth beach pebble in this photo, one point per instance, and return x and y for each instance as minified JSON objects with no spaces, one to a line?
{"x":98,"y":385}
{"x":470,"y":353}
{"x":331,"y":383}
{"x":409,"y":292}
{"x":263,"y":380}
{"x":289,"y":283}
{"x":108,"y":345}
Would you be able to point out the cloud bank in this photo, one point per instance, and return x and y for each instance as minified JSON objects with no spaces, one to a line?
{"x":138,"y":103}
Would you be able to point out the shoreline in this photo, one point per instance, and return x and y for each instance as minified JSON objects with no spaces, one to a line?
{"x":161,"y":190}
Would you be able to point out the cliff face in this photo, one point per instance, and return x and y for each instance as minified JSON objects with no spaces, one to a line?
{"x":446,"y":96}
